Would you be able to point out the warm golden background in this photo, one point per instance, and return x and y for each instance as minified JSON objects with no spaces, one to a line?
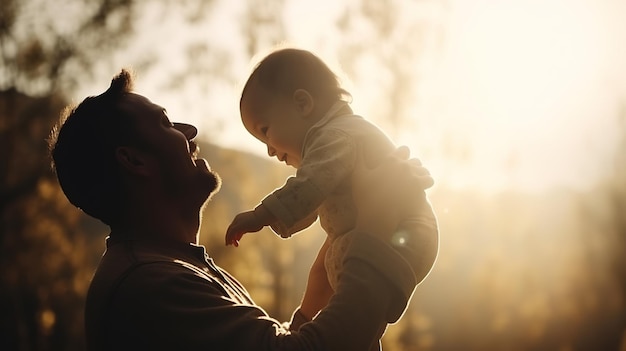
{"x":518,"y":107}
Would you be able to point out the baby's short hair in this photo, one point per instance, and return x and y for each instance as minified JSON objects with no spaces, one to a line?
{"x":286,"y":70}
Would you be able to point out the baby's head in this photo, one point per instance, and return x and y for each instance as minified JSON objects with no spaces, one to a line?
{"x":286,"y":70}
{"x":287,"y":92}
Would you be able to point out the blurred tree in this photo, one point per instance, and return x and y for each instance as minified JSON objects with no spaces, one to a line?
{"x":619,"y":216}
{"x":263,"y":27}
{"x":387,"y":44}
{"x":44,"y":266}
{"x":608,"y":251}
{"x":618,"y":200}
{"x":602,"y":275}
{"x":42,"y":52}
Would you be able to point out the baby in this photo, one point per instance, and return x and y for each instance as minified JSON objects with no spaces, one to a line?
{"x":293,"y":103}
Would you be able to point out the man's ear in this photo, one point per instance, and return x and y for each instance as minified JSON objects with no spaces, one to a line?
{"x":132,"y":160}
{"x":304,"y":102}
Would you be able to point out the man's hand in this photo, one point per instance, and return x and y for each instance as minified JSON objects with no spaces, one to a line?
{"x":381,"y":204}
{"x":245,"y":222}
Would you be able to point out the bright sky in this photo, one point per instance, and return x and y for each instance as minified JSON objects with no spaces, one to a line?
{"x":534,"y":87}
{"x":523,"y":93}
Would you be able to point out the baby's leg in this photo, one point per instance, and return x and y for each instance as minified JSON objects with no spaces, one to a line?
{"x":417,"y":239}
{"x":318,"y":290}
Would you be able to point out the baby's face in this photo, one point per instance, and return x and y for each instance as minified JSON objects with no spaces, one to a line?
{"x":276,"y":121}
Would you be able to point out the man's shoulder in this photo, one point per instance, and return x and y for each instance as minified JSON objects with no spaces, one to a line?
{"x":137,"y":268}
{"x":122,"y":259}
{"x":139,"y":282}
{"x":118,"y":262}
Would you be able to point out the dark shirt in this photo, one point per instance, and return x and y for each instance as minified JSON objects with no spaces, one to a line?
{"x":148,"y":295}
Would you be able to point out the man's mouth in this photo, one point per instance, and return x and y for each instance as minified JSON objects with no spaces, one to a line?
{"x":194,"y":150}
{"x":200,"y":162}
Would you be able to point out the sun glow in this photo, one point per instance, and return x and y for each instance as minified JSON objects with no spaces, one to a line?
{"x":524,"y":96}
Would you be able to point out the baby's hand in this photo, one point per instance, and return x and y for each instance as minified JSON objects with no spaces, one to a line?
{"x":245,"y":222}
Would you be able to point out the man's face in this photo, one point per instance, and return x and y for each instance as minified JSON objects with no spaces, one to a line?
{"x":186,"y":180}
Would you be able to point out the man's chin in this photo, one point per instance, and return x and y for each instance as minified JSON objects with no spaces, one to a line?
{"x":215,"y":183}
{"x":213,"y":179}
{"x":211,"y":184}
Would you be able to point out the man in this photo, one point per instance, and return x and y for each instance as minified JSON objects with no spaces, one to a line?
{"x":120,"y":159}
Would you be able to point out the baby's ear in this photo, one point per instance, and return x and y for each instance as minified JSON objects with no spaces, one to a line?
{"x":304,"y":101}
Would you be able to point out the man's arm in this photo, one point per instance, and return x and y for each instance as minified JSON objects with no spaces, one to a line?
{"x":374,"y":288}
{"x":168,"y":305}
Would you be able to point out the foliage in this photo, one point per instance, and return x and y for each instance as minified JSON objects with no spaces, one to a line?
{"x":43,"y":52}
{"x":44,"y":258}
{"x":387,"y":36}
{"x":43,"y":270}
{"x":517,"y":272}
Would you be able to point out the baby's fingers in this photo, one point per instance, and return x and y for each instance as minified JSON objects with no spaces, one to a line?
{"x":232,"y":237}
{"x":419,"y":174}
{"x":410,"y":170}
{"x":401,"y":152}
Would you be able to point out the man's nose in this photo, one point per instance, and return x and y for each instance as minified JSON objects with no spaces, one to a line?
{"x":187,"y":129}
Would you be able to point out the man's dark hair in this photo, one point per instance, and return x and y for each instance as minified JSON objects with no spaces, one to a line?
{"x":83,"y":144}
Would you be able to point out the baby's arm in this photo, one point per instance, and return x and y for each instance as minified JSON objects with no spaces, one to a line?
{"x":327,"y":164}
{"x":248,"y":222}
{"x":318,"y":290}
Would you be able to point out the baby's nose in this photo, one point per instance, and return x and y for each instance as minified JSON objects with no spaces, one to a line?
{"x":271,"y":151}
